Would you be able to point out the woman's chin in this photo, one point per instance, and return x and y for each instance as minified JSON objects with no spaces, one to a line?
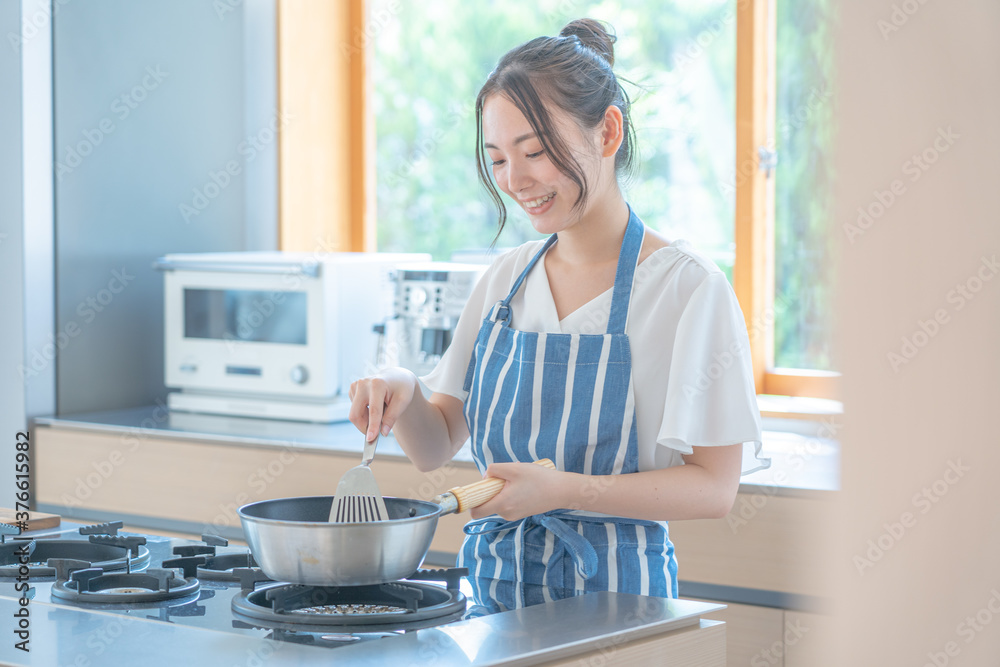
{"x":547,"y":223}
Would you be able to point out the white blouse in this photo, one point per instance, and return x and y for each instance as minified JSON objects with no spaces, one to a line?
{"x":691,"y":368}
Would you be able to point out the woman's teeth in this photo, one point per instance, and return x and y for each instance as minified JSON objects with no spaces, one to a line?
{"x":535,"y":203}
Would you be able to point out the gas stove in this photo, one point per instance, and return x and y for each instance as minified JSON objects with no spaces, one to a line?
{"x":210,"y":584}
{"x":99,"y":596}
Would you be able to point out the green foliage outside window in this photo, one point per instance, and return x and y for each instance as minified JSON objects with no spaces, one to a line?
{"x":431,"y":59}
{"x":804,"y":130}
{"x":679,"y":58}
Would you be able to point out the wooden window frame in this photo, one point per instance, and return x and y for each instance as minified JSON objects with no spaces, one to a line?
{"x":326,"y":196}
{"x":753,"y":268}
{"x":326,"y":142}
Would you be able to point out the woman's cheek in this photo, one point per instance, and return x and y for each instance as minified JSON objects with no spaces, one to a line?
{"x":499,"y":179}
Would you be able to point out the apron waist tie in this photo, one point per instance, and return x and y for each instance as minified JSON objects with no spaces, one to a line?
{"x":583,"y":552}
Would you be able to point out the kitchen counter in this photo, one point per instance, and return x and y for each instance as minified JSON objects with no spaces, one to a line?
{"x":62,"y":635}
{"x":188,"y":473}
{"x":202,"y":630}
{"x":800,"y":465}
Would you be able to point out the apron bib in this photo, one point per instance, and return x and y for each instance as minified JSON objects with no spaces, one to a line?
{"x":567,"y":397}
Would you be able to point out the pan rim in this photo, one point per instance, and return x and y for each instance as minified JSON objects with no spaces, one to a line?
{"x":436,"y":512}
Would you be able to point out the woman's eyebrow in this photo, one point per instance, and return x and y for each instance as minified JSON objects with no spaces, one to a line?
{"x":517,"y":140}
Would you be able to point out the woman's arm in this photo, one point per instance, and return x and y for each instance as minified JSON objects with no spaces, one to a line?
{"x":703,"y":488}
{"x":430,"y":431}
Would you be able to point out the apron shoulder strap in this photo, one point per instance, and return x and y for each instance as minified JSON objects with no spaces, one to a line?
{"x":628,"y":259}
{"x":501,"y":311}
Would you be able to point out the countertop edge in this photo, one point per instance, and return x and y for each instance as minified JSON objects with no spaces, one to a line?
{"x":387,"y":448}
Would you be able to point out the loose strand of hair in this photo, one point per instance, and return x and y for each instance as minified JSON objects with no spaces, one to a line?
{"x":526,"y":99}
{"x":483,"y":166}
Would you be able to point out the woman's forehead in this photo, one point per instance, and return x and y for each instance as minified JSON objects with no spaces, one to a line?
{"x":503,"y":122}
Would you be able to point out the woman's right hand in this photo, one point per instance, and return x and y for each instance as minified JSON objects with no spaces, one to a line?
{"x":379,"y":400}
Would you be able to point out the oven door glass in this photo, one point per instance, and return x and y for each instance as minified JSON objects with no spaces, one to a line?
{"x":245,"y":315}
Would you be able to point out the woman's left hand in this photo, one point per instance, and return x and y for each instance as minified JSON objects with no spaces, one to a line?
{"x":530,"y":489}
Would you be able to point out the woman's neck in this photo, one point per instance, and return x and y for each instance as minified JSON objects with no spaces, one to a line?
{"x":597,"y":237}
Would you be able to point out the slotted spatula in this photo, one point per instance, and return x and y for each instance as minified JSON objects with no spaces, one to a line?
{"x":358,"y":498}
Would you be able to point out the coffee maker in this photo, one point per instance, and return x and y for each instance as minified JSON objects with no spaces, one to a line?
{"x":429,"y":300}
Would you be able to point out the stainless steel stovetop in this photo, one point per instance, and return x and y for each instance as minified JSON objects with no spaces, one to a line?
{"x":202,"y":628}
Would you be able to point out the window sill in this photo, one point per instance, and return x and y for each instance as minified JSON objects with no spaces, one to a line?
{"x":798,"y":408}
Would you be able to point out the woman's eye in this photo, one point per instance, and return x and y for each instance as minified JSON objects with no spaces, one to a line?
{"x":497,"y":163}
{"x":533,"y":155}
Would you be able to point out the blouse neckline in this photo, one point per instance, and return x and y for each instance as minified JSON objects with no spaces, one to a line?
{"x":540,"y":281}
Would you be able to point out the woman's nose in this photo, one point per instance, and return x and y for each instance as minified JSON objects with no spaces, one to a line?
{"x":518,"y":177}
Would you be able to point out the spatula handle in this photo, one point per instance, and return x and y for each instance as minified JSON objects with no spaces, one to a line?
{"x":369,"y":452}
{"x":478,"y":493}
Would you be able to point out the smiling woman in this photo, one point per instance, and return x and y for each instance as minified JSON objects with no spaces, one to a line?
{"x":527,"y":169}
{"x":594,"y":112}
{"x":706,"y":171}
{"x":587,"y":348}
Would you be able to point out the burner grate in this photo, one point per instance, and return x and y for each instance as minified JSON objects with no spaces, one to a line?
{"x":201,"y":560}
{"x":104,"y":556}
{"x":400,"y":603}
{"x":153,"y":585}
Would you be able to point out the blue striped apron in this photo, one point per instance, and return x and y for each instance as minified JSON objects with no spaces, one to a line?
{"x":567,"y":397}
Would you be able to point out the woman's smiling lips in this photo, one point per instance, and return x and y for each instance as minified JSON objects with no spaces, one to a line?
{"x":539,"y":205}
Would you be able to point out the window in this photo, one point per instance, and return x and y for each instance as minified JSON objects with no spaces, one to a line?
{"x":802,"y":204}
{"x":430,"y":59}
{"x":696,"y":66}
{"x":783,"y":273}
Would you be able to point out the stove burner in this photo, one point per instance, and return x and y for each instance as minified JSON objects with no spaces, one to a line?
{"x":94,"y":585}
{"x":103,"y":556}
{"x":121,"y":591}
{"x":352,"y":609}
{"x":359,"y":608}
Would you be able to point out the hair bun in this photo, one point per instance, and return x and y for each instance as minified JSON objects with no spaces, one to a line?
{"x":593,"y":34}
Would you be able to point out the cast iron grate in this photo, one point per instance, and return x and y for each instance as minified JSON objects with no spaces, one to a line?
{"x":378,"y":604}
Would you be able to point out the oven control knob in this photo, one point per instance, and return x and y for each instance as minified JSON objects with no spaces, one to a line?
{"x":418,"y":297}
{"x":300,"y":374}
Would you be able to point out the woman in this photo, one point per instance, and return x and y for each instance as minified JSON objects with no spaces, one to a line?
{"x":615,"y":353}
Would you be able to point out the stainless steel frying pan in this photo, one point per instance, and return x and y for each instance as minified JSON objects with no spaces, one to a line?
{"x":293,"y":540}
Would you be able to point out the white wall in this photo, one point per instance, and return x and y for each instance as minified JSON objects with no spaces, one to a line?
{"x":138,"y":103}
{"x":11,"y":212}
{"x":919,"y":531}
{"x":149,"y":107}
{"x":26,"y":223}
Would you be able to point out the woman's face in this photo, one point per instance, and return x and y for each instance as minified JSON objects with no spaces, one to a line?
{"x":523,"y":170}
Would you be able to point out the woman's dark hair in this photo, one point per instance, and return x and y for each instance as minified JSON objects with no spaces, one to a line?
{"x":574,"y":72}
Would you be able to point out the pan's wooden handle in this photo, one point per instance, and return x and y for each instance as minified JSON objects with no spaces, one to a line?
{"x":478,"y":493}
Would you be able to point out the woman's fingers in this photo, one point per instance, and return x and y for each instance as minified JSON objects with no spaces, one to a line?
{"x":502,"y":470}
{"x":368,"y":397}
{"x":378,"y":396}
{"x":528,"y":490}
{"x":402,"y":388}
{"x":392,"y":411}
{"x":378,"y":401}
{"x":358,"y":414}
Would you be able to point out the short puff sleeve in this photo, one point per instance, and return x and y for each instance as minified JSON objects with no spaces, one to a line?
{"x":711,"y":398}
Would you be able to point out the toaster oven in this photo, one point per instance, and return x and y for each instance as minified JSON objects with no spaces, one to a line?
{"x":273,"y":334}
